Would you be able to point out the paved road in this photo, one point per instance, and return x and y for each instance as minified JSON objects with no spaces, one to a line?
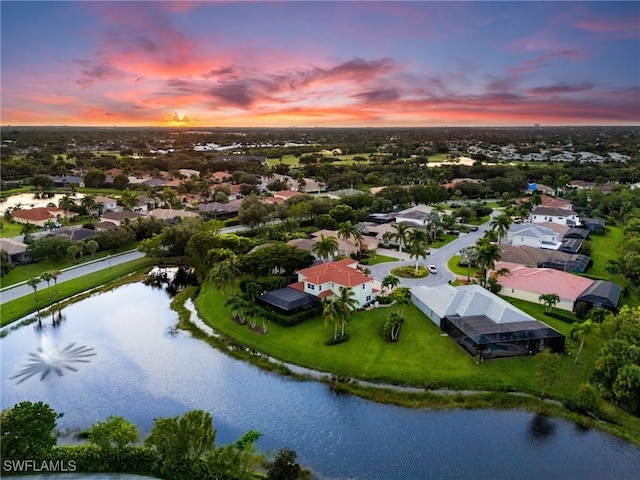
{"x":20,"y":290}
{"x":438,"y":257}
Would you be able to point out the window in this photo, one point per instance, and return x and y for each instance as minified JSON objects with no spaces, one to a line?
{"x":310,"y":286}
{"x":363,"y":285}
{"x":319,"y":287}
{"x":368,"y":298}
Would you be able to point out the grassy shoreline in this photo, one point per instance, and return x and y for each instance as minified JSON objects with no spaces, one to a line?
{"x":20,"y":307}
{"x":497,"y":382}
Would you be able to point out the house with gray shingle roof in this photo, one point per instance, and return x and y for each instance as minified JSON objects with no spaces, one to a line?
{"x":533,"y":235}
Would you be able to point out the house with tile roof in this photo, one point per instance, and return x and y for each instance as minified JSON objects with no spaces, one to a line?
{"x":118,"y":217}
{"x":37,"y":216}
{"x":555,"y":202}
{"x":326,"y":279}
{"x":528,"y":284}
{"x":16,"y":251}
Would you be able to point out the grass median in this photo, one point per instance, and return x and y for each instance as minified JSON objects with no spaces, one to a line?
{"x":47,"y":296}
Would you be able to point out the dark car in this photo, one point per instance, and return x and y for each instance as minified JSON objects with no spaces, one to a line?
{"x":474,"y":229}
{"x":453,"y":232}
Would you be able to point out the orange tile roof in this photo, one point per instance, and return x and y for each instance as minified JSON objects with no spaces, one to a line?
{"x":35,"y":214}
{"x":297,"y":286}
{"x":336,"y":272}
{"x":543,"y":280}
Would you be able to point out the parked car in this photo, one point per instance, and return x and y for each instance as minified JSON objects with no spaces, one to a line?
{"x":453,"y":232}
{"x":432,"y":269}
{"x":474,"y":228}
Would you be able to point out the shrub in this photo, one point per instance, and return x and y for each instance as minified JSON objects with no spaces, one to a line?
{"x":337,"y":340}
{"x":386,"y":300}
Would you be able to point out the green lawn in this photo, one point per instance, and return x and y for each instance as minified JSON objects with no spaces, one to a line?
{"x":603,"y":248}
{"x":422,"y":357}
{"x":26,"y":271}
{"x":381,"y":259}
{"x":292,"y":160}
{"x":10,"y":229}
{"x":21,"y":307}
{"x":462,"y":271}
{"x":443,"y":240}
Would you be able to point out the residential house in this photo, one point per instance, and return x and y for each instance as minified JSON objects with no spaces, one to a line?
{"x":16,"y":251}
{"x":483,"y":323}
{"x":532,"y":187}
{"x":286,"y":194}
{"x":326,"y":279}
{"x":217,"y":209}
{"x":38,"y":216}
{"x":580,"y":185}
{"x":107,"y":204}
{"x":543,"y":258}
{"x":555,"y":202}
{"x":528,"y":284}
{"x":588,"y":157}
{"x":348,"y":246}
{"x":556,"y":215}
{"x":169,"y":213}
{"x":118,"y":218}
{"x":533,"y":235}
{"x":76,"y":234}
{"x":104,"y":226}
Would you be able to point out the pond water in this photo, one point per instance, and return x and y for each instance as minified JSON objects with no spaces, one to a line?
{"x":117,"y":353}
{"x":28,"y":200}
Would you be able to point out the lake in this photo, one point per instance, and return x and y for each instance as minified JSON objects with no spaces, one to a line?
{"x":28,"y":200}
{"x":129,"y":361}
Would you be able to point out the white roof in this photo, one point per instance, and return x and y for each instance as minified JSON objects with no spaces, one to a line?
{"x":531,"y":230}
{"x":468,"y":301}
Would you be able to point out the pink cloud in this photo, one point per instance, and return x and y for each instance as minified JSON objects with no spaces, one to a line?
{"x":543,"y":60}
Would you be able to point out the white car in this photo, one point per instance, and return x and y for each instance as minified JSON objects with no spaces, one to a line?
{"x":432,"y":269}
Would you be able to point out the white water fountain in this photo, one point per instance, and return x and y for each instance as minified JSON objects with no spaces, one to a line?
{"x":54,"y":358}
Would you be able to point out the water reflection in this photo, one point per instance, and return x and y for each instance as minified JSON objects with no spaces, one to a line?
{"x":145,"y":369}
{"x":51,"y":358}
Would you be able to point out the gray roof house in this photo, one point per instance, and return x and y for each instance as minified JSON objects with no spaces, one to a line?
{"x":533,"y":235}
{"x":17,"y":251}
{"x":483,"y":323}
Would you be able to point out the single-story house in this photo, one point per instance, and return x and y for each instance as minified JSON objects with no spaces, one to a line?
{"x":483,"y":323}
{"x":595,"y":225}
{"x":106,"y":204}
{"x":167,"y":213}
{"x":38,"y":216}
{"x":77,"y":234}
{"x":349,"y":246}
{"x":532,"y":235}
{"x":326,"y":279}
{"x":542,"y":258}
{"x":556,"y":215}
{"x":219,"y":209}
{"x":381,"y":218}
{"x":16,"y":251}
{"x":119,"y":217}
{"x":580,"y":185}
{"x":528,"y":284}
{"x":103,"y":226}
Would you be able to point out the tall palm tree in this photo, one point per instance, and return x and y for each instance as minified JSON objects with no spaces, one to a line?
{"x":331,"y":314}
{"x":390,"y":281}
{"x":346,"y":303}
{"x":501,"y":225}
{"x":488,"y":255}
{"x":89,"y":203}
{"x":470,"y":254}
{"x":92,"y":246}
{"x":33,"y":283}
{"x":54,"y":275}
{"x":73,"y":251}
{"x":28,"y":229}
{"x":224,"y":274}
{"x":417,"y":246}
{"x":401,"y":234}
{"x":47,"y":277}
{"x":66,"y":202}
{"x":325,"y":247}
{"x":345,"y":231}
{"x":578,"y":332}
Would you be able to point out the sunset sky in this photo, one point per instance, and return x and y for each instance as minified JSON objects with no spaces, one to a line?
{"x":282,"y":64}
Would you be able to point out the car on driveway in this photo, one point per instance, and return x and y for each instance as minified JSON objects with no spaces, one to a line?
{"x":474,"y":228}
{"x":432,"y":269}
{"x":453,"y":232}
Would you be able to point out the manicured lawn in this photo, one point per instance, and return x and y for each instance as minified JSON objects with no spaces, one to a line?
{"x":409,"y":271}
{"x":422,"y":357}
{"x":479,"y":221}
{"x":460,"y":270}
{"x":21,"y":307}
{"x":16,"y":191}
{"x":338,"y":159}
{"x":10,"y":229}
{"x":26,"y":271}
{"x":603,"y":248}
{"x":442,"y":240}
{"x":381,"y":259}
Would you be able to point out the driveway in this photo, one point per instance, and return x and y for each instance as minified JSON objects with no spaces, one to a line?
{"x":438,"y":257}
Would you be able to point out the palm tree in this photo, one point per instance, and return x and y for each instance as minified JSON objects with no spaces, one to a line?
{"x":28,"y":229}
{"x":92,"y":246}
{"x":578,"y":332}
{"x":89,"y":203}
{"x":66,"y":202}
{"x":224,"y":274}
{"x":325,"y":247}
{"x":550,"y":300}
{"x":390,"y":281}
{"x":54,"y":275}
{"x":488,"y":254}
{"x":73,"y":252}
{"x":47,"y":277}
{"x":169,"y":196}
{"x":417,"y":245}
{"x":330,"y":314}
{"x":401,"y":235}
{"x":501,"y":225}
{"x":345,"y":231}
{"x":33,"y":283}
{"x":470,"y":254}
{"x":129,"y":199}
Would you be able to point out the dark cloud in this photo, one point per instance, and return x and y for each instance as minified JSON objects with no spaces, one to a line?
{"x":219,"y":72}
{"x":91,"y":72}
{"x":560,"y":89}
{"x":237,"y":94}
{"x":378,"y":96}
